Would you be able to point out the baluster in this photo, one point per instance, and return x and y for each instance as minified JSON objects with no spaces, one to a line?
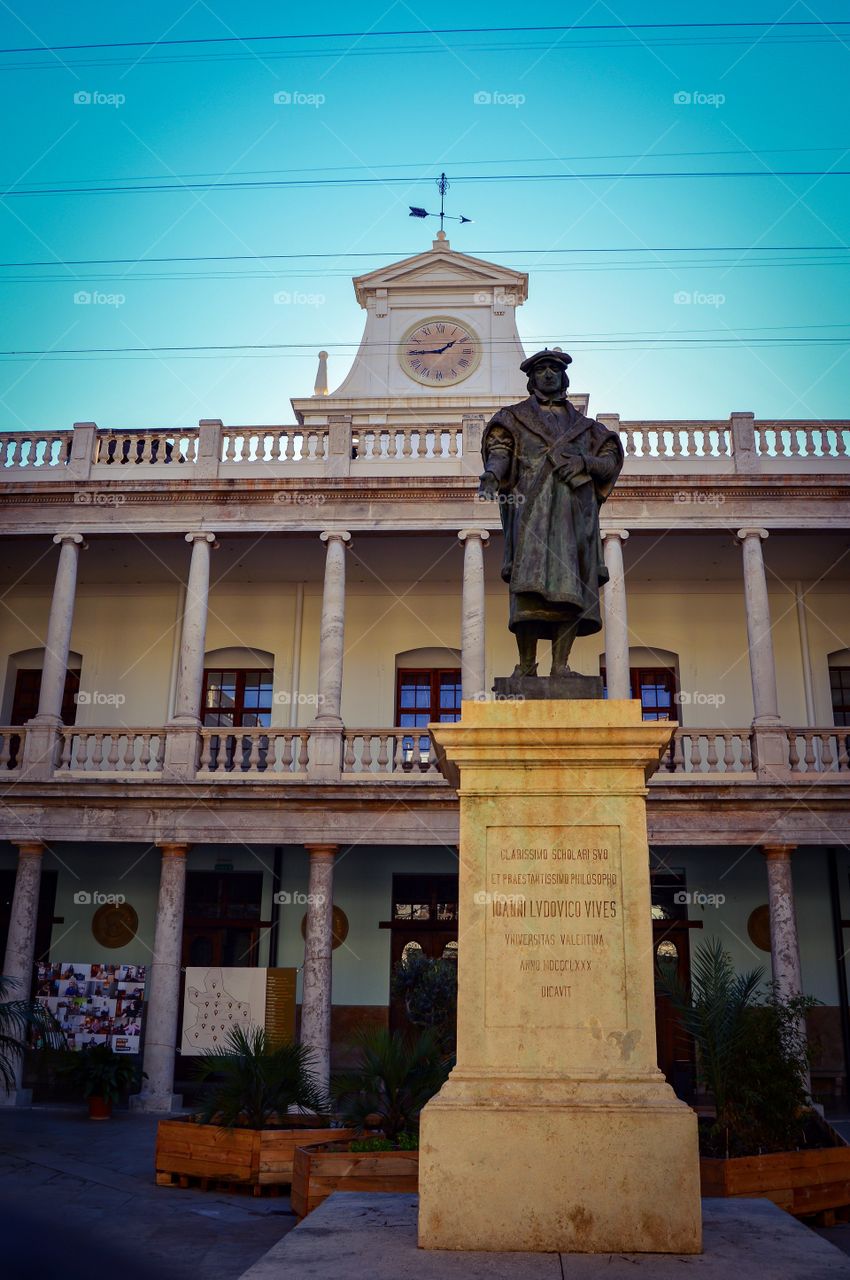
{"x":746,"y":751}
{"x":349,"y":760}
{"x":793,"y":754}
{"x":112,"y":757}
{"x":676,"y":443}
{"x":421,"y":442}
{"x":366,"y":754}
{"x":626,"y":441}
{"x":809,"y":757}
{"x":303,"y":752}
{"x":696,"y":754}
{"x":416,"y":754}
{"x":97,"y":754}
{"x":407,"y":443}
{"x":711,"y":754}
{"x":206,"y":750}
{"x":226,"y":446}
{"x":454,"y":442}
{"x":728,"y":753}
{"x":286,"y":754}
{"x":144,"y":754}
{"x":678,"y":757}
{"x":827,"y":759}
{"x":65,"y":757}
{"x":254,"y":753}
{"x":288,"y":441}
{"x":5,"y":750}
{"x":383,"y":753}
{"x":843,"y":761}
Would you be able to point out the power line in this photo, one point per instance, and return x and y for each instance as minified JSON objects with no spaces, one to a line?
{"x":823,"y":23}
{"x":418,"y":181}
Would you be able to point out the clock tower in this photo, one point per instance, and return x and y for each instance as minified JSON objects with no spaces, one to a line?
{"x":440,"y":343}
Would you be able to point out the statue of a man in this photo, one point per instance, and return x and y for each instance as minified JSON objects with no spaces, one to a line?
{"x":551,"y":469}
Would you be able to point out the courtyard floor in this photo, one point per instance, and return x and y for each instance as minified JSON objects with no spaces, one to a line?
{"x":81,"y":1196}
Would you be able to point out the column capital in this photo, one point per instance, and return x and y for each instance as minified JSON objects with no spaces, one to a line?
{"x":342,"y":534}
{"x":482,"y":534}
{"x":70,"y":537}
{"x":200,"y":535}
{"x":322,"y":852}
{"x":30,"y":848}
{"x":621,"y":534}
{"x":753,"y":532}
{"x":778,"y":852}
{"x":169,"y":850}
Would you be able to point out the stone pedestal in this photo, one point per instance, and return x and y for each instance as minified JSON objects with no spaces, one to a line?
{"x":547,"y":688}
{"x":556,"y":1131}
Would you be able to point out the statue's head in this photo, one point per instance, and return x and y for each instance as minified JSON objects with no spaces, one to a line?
{"x":547,"y":372}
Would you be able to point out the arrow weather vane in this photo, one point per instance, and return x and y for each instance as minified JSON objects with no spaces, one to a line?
{"x":443,"y":185}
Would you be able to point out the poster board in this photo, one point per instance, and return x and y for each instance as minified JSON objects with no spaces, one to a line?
{"x":95,"y":1003}
{"x":217,"y":1000}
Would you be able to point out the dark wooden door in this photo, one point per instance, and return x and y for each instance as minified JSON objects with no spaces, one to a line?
{"x":676,"y":1057}
{"x":424,"y":915}
{"x":28,"y":689}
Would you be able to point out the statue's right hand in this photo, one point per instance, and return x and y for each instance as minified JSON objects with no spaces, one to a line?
{"x":489,"y":486}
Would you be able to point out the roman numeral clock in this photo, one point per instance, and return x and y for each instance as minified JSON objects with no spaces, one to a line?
{"x":439,"y":352}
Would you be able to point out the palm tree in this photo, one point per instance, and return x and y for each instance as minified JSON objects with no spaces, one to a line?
{"x":252,"y":1084}
{"x":395,"y":1076}
{"x":18,"y":1018}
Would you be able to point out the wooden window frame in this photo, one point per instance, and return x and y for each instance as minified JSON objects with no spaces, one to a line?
{"x":434,"y":709}
{"x":239,"y":709}
{"x":635,"y":674}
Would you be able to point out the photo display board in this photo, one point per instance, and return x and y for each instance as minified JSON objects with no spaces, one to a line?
{"x":95,"y":1003}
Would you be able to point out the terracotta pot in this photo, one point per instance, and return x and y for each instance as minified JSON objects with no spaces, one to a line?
{"x":100,"y":1108}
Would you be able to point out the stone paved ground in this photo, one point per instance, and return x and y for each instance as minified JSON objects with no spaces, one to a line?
{"x":83,"y":1192}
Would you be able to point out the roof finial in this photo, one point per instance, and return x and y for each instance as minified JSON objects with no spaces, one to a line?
{"x":320,"y":387}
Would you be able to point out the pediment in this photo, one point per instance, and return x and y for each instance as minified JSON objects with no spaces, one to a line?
{"x":441,"y":268}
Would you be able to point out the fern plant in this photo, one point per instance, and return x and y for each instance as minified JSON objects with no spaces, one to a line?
{"x":251,"y":1084}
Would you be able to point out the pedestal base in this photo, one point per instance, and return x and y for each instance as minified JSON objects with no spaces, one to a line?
{"x":569,"y":1179}
{"x":549,"y":688}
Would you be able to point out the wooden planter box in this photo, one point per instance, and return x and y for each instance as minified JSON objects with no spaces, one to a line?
{"x":801,"y":1182}
{"x":252,"y":1157}
{"x":327,"y":1167}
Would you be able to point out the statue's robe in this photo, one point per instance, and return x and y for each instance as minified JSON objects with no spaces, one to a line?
{"x":553,"y":552}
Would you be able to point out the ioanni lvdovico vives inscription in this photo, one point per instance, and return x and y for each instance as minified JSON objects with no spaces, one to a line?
{"x":554,"y":927}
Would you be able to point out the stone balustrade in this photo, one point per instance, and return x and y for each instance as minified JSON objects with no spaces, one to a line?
{"x":225,"y":755}
{"x":212,"y":450}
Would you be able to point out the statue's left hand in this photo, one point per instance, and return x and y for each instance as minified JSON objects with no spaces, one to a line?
{"x":570,"y":469}
{"x":489,"y":486}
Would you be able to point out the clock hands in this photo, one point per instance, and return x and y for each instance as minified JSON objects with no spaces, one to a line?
{"x":434,"y":351}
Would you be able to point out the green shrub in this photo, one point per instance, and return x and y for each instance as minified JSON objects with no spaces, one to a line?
{"x":429,"y":990}
{"x":394,"y":1077}
{"x":100,"y":1072}
{"x":251,"y":1085}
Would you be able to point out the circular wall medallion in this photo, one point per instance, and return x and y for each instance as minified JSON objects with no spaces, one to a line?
{"x":340,"y":927}
{"x":758,"y":927}
{"x":115,"y":924}
{"x":439,"y":351}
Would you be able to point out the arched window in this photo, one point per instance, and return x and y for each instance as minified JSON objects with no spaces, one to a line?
{"x":23,"y":686}
{"x":839,"y":686}
{"x":654,"y":675}
{"x":237,"y":691}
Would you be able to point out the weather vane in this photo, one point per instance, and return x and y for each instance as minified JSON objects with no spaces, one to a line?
{"x":443,"y":185}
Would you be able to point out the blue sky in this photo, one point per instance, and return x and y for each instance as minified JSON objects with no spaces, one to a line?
{"x":404,"y":108}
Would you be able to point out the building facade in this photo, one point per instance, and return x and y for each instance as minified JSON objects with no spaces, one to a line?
{"x":220,"y":648}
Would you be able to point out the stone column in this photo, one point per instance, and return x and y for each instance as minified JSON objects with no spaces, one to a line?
{"x":332,"y":637}
{"x":59,"y":624}
{"x":20,"y":951}
{"x":784,"y":942}
{"x":473,"y":679}
{"x":157,"y":1092}
{"x":759,"y":637}
{"x":318,"y":950}
{"x":190,"y":674}
{"x":617,"y":674}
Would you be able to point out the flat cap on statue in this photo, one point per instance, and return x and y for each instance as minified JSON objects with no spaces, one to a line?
{"x":546,"y":354}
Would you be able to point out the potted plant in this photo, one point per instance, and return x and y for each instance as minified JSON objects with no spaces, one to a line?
{"x":20,"y":1021}
{"x":764,"y":1138}
{"x":382,"y":1097}
{"x":103,"y":1075}
{"x":259,"y":1100}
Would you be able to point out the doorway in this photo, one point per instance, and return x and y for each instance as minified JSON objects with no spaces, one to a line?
{"x":424,"y":916}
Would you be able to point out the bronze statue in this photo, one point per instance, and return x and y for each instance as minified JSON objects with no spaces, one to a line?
{"x":551,"y":468}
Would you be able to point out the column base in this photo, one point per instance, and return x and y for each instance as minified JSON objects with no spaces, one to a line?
{"x":156,"y":1102}
{"x":17,"y":1098}
{"x":621,"y":1177}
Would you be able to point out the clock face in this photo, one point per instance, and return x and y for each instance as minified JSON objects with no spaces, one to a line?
{"x":439,"y":352}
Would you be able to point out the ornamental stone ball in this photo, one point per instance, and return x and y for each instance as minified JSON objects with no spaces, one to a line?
{"x":550,"y":468}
